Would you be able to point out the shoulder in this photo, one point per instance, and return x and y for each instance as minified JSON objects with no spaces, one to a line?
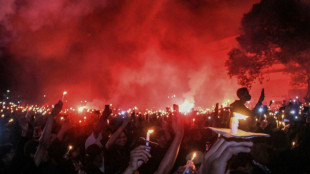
{"x":235,"y":103}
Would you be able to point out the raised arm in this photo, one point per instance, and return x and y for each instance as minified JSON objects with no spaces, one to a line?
{"x":102,"y":122}
{"x":44,"y":139}
{"x":116,"y":134}
{"x":168,"y":161}
{"x":260,"y":101}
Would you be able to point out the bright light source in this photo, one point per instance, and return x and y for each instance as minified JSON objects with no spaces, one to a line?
{"x":194,"y":155}
{"x":186,"y":107}
{"x":260,"y":110}
{"x":80,"y":109}
{"x":240,"y":116}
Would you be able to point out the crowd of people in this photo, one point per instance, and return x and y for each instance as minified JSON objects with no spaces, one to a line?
{"x":58,"y":139}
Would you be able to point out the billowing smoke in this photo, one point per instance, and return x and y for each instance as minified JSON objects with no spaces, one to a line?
{"x":143,"y":53}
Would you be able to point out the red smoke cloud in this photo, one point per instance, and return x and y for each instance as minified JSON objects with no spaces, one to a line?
{"x":125,"y":52}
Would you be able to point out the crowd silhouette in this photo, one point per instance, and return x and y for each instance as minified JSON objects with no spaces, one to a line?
{"x":53,"y":140}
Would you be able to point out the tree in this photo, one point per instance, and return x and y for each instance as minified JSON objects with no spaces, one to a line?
{"x":273,"y":32}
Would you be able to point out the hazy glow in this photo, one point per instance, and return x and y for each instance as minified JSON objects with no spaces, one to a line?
{"x":240,"y":116}
{"x":129,"y":53}
{"x":80,"y":109}
{"x":186,"y":106}
{"x":194,"y":156}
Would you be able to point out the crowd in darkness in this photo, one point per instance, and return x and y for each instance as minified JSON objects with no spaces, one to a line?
{"x":55,"y":141}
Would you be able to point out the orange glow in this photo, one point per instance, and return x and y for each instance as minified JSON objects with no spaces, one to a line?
{"x":194,"y":156}
{"x":240,"y":116}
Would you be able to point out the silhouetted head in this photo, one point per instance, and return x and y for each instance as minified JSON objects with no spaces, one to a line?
{"x":243,"y":94}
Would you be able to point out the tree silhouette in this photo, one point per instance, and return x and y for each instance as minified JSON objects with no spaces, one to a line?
{"x":273,"y":32}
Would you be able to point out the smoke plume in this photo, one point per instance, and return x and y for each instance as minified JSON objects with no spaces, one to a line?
{"x":143,"y":53}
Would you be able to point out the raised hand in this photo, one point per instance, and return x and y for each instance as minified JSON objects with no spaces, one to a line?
{"x":126,"y":120}
{"x":138,"y":156}
{"x":262,"y":96}
{"x":57,"y":108}
{"x":271,"y":102}
{"x":45,"y":137}
{"x":106,"y":112}
{"x":171,"y":154}
{"x":215,"y":160}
